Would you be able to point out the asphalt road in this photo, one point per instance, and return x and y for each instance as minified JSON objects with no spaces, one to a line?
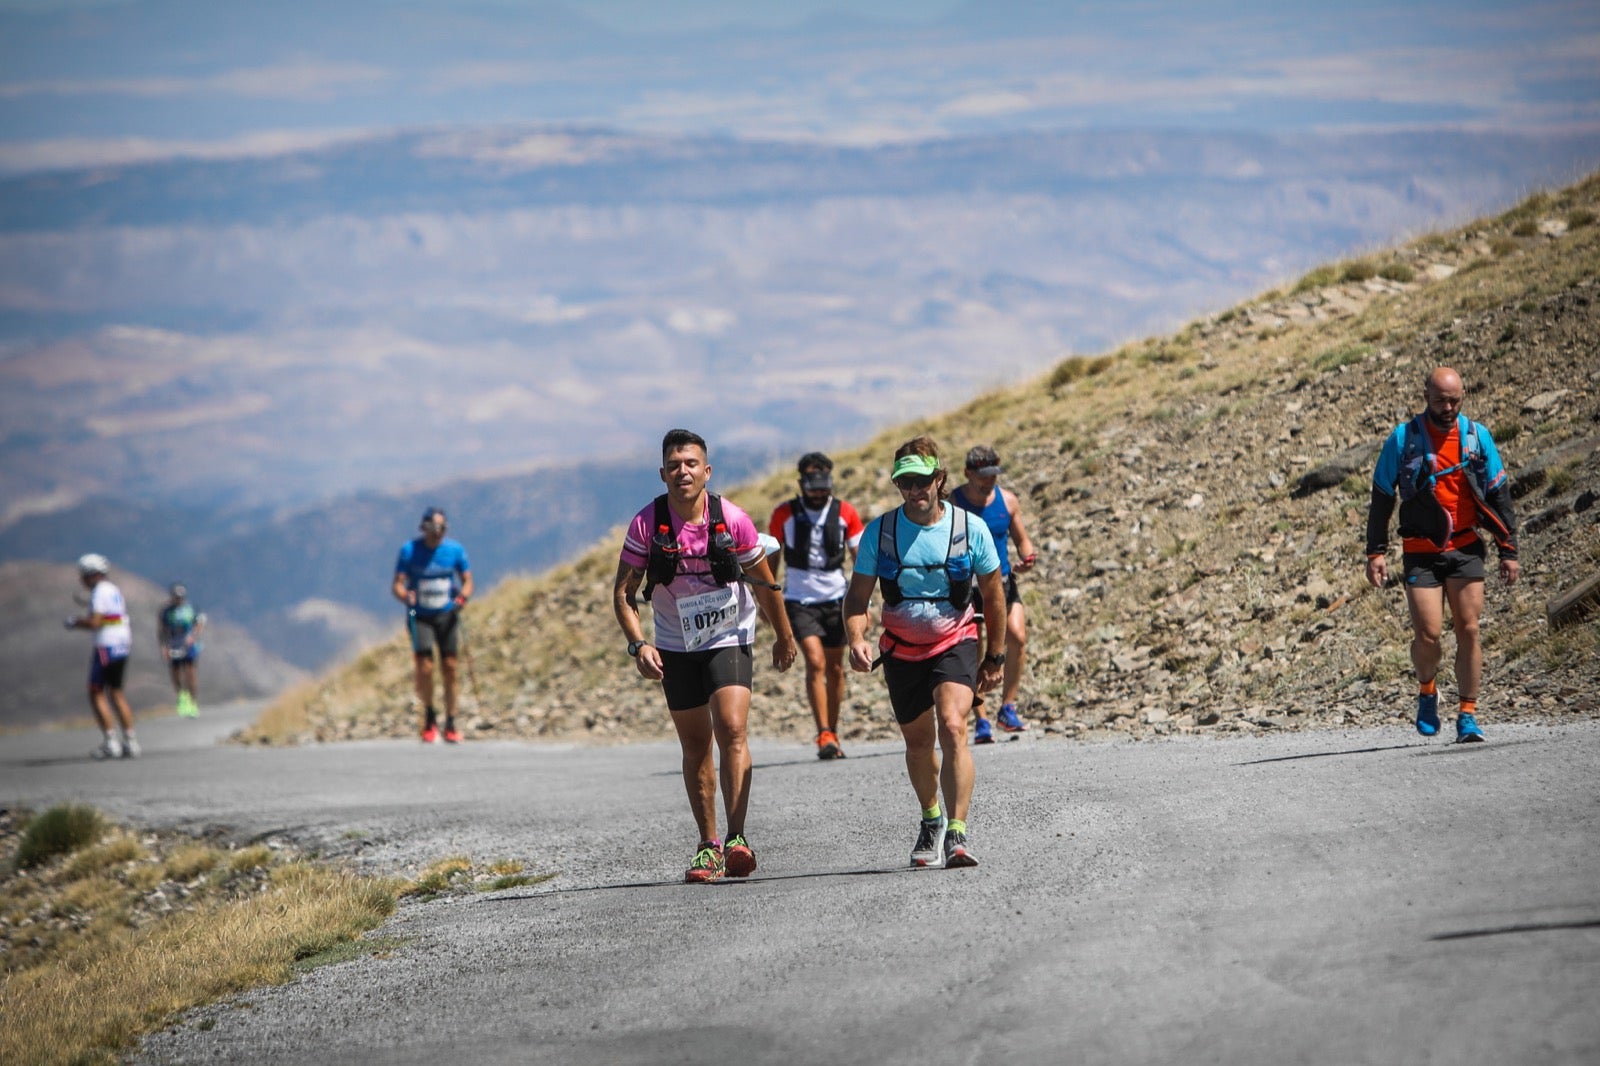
{"x":1340,"y":897}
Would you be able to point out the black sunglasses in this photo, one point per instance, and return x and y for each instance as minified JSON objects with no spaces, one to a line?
{"x":907,"y":482}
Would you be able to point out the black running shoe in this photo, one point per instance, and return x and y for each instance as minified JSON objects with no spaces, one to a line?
{"x":956,"y":854}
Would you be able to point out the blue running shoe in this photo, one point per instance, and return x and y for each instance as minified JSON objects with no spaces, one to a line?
{"x":1428,"y":714}
{"x":984,"y":733}
{"x":1467,"y":731}
{"x":1010,"y":720}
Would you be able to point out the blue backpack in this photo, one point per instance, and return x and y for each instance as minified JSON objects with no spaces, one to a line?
{"x":957,"y":564}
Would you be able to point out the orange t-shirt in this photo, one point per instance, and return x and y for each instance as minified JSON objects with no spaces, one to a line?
{"x":1450,"y":490}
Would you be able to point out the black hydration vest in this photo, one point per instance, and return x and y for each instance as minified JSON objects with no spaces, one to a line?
{"x":797,"y":556}
{"x":666,"y":557}
{"x":957,"y":564}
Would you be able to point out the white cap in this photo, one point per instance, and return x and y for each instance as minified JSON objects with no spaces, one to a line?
{"x":93,"y":563}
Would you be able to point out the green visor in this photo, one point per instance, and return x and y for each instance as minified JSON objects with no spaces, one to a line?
{"x":914,"y":464}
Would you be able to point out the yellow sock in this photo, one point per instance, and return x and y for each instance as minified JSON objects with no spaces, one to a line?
{"x":930,"y":813}
{"x":957,"y":826}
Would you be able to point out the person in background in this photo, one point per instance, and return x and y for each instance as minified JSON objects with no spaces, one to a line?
{"x":1001,"y":511}
{"x":113,"y":643}
{"x":180,"y":627}
{"x":434,"y":580}
{"x":819,"y":533}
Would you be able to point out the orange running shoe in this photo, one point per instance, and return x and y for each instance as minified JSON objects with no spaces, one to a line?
{"x":828,"y":746}
{"x":452,"y":735}
{"x":430,"y":735}
{"x":739,"y":857}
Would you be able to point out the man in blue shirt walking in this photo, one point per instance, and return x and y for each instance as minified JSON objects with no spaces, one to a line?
{"x":434,"y":580}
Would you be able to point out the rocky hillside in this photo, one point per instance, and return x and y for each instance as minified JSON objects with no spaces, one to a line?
{"x":1199,"y":503}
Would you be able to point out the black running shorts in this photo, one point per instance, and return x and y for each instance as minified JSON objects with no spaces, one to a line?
{"x":690,"y":677}
{"x":1012,"y":595}
{"x":825,"y":620}
{"x":442,"y":629}
{"x":1430,"y":570}
{"x":106,"y":671}
{"x":911,"y":684}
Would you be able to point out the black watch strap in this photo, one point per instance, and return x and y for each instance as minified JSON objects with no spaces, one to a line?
{"x":634,"y":646}
{"x":995,"y":660}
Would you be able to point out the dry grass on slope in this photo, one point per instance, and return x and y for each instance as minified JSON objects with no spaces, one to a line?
{"x":107,"y":934}
{"x":1183,"y":583}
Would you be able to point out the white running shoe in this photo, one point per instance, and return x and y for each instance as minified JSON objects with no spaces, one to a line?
{"x":130,"y":747}
{"x":110,"y":748}
{"x":929,"y":849}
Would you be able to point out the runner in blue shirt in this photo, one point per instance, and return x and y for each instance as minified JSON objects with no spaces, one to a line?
{"x":433,"y":578}
{"x":180,"y":628}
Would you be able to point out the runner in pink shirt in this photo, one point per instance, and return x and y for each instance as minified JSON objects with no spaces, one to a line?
{"x":704,"y":569}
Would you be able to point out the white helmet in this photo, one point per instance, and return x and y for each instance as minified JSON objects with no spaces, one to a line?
{"x":93,"y":563}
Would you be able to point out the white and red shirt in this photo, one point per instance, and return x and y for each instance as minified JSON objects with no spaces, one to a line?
{"x":115,"y":634}
{"x":816,"y":585}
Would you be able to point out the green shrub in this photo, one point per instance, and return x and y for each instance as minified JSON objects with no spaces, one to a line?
{"x":1503,"y":246}
{"x":1324,"y":275}
{"x":1527,"y":209}
{"x":1397,"y":272}
{"x":1334,"y":358}
{"x":1359,"y":270}
{"x":1579,"y":219}
{"x":59,"y":831}
{"x":1525,"y":228}
{"x":1077,"y":367}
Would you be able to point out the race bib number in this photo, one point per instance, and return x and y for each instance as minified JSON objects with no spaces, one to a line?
{"x":433,"y":593}
{"x":708,"y":616}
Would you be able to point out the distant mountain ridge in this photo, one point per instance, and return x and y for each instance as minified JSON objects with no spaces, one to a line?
{"x":312,"y":583}
{"x":424,"y":171}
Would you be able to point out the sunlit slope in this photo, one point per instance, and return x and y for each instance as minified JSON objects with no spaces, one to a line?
{"x":1189,"y":579}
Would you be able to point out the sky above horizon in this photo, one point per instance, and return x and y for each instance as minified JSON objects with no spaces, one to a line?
{"x":88,"y":83}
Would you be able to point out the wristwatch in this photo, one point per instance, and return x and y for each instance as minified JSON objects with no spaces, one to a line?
{"x":995,"y":660}
{"x":634,"y":646}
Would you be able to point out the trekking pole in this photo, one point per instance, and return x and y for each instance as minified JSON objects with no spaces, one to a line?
{"x":466,"y":653}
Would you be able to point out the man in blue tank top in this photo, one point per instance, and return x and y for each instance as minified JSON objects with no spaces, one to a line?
{"x":434,"y":580}
{"x":1001,"y":512}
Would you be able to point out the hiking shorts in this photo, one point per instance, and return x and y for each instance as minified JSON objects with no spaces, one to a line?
{"x":690,"y":677}
{"x":1012,"y":595}
{"x":1430,"y":570}
{"x":442,"y":629}
{"x":911,"y":684}
{"x":106,"y":670}
{"x":825,"y":620}
{"x":179,"y":656}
